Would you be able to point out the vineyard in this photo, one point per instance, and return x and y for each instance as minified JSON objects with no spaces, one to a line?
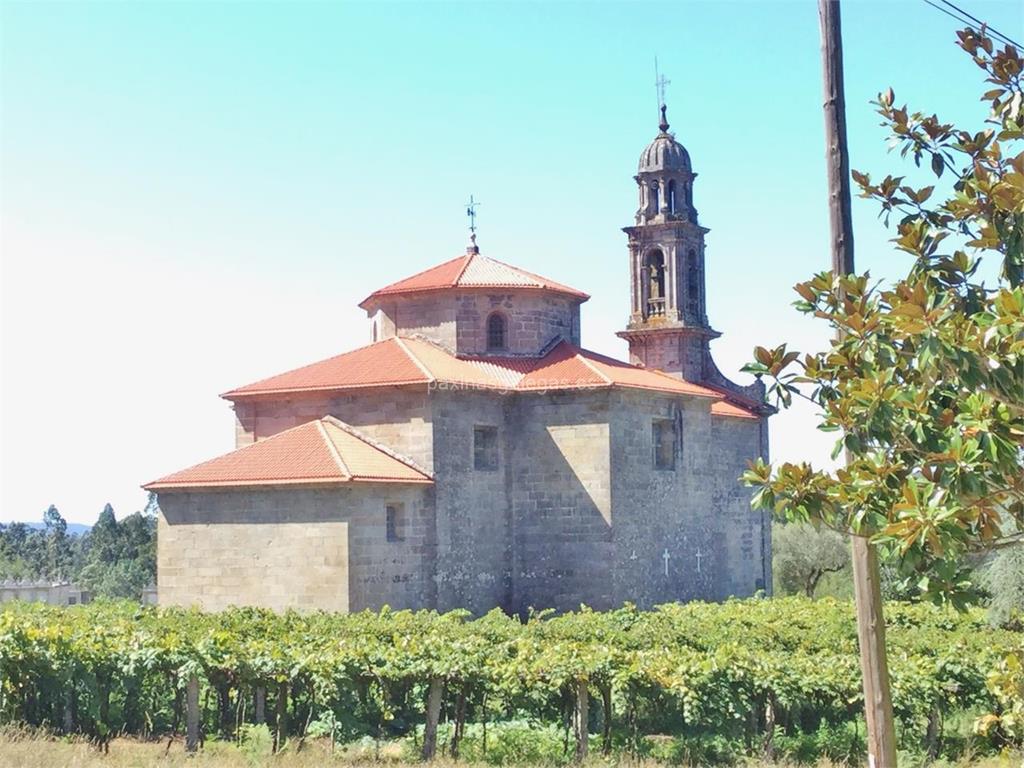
{"x":753,"y":676}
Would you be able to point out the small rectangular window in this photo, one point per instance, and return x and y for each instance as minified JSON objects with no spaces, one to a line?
{"x":394,"y":522}
{"x":485,"y":448}
{"x":663,"y":435}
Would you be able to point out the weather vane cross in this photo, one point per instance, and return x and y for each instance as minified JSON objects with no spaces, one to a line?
{"x":660,"y":82}
{"x":471,"y":213}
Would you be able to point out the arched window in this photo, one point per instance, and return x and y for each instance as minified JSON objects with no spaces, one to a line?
{"x":672,"y":196}
{"x":654,"y":263}
{"x":496,"y":332}
{"x":655,"y":197}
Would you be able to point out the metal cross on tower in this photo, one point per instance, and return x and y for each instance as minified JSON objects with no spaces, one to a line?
{"x":660,"y":81}
{"x":471,"y":213}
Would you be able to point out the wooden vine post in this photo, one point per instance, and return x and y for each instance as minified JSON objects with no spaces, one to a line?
{"x":260,"y":705}
{"x":867,"y":588}
{"x":580,"y":718}
{"x":433,"y":715}
{"x":192,"y":714}
{"x":281,"y":716}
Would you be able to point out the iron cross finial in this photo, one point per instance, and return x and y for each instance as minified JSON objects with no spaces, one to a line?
{"x":660,"y":82}
{"x":471,"y":213}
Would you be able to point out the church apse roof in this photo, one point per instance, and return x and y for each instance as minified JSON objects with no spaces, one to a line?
{"x":322,"y":452}
{"x":471,"y":271}
{"x":411,"y":361}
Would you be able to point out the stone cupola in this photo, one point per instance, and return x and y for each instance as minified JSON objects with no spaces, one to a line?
{"x":665,"y":178}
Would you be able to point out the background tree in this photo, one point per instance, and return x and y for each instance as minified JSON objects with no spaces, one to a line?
{"x":925,"y":384}
{"x":113,"y":559}
{"x":802,"y":555}
{"x":58,"y":544}
{"x":1004,"y":580}
{"x":120,"y":557}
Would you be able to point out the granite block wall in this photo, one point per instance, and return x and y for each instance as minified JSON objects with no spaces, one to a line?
{"x":473,"y":546}
{"x":400,"y":418}
{"x":574,"y":512}
{"x":562,"y":510}
{"x":303,"y":548}
{"x":458,"y":322}
{"x":533,"y":319}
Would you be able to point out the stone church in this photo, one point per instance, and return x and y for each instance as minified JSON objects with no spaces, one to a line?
{"x":475,"y":455}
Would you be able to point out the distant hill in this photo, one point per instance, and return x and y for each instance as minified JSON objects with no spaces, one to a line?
{"x":74,"y":529}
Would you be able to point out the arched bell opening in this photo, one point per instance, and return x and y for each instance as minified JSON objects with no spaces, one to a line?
{"x":654,"y":271}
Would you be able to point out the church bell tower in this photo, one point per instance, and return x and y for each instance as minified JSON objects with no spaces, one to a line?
{"x":668,"y":327}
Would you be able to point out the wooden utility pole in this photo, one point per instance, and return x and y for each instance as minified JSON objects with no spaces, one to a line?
{"x":867,"y":588}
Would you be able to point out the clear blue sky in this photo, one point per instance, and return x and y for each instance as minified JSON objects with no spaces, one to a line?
{"x":195,"y":195}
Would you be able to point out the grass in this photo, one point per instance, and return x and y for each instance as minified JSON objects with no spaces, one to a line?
{"x":24,"y":748}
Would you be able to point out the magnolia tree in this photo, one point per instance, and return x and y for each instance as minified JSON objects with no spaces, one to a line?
{"x":924,"y":383}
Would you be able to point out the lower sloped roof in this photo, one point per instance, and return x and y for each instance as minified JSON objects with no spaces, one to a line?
{"x":322,"y":452}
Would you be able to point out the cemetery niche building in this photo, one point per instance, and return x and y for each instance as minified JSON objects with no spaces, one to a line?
{"x":475,"y":455}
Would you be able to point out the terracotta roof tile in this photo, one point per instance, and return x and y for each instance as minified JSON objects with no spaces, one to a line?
{"x":725,"y":408}
{"x":325,"y":451}
{"x":449,"y":369}
{"x":380,"y":364}
{"x":400,"y":361}
{"x":626,"y":375}
{"x":562,"y":368}
{"x":471,"y":271}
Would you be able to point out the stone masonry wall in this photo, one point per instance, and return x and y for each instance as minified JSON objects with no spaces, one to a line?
{"x":398,"y":418}
{"x":576,"y":511}
{"x":459,"y":321}
{"x":736,"y":442}
{"x":473,"y":545}
{"x":663,"y":511}
{"x":296,"y":548}
{"x":429,"y":314}
{"x":533,"y":319}
{"x":562,"y":511}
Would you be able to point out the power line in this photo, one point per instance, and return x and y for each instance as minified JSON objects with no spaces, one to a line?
{"x":973,"y":23}
{"x":976,"y":20}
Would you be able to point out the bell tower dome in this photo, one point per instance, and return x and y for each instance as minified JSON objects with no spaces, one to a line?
{"x":668,"y":327}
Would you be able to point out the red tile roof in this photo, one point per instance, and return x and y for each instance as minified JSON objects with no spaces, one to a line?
{"x":381,"y":364}
{"x":401,"y":361}
{"x":725,"y":408}
{"x":326,"y":451}
{"x":471,"y":271}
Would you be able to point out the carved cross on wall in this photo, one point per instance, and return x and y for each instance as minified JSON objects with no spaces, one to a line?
{"x":698,"y":555}
{"x":665,"y":556}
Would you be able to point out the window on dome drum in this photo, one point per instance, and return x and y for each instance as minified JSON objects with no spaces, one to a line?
{"x":485,"y":448}
{"x":672,"y":196}
{"x":394,"y":522}
{"x":496,"y":332}
{"x":655,"y":198}
{"x":663,"y":438}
